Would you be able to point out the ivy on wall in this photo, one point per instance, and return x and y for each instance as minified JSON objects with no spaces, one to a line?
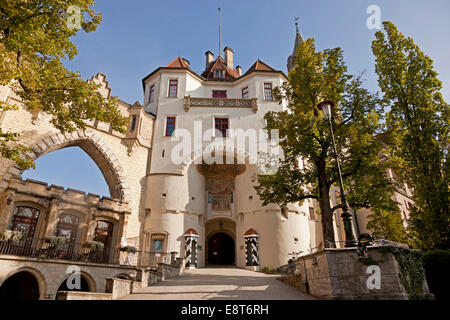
{"x":412,"y":273}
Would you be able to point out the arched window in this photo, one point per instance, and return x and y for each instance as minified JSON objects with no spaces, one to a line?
{"x":25,"y":220}
{"x":67,"y":227}
{"x":104,"y":232}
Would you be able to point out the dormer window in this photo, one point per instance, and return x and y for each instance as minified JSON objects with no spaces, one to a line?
{"x":219,"y":74}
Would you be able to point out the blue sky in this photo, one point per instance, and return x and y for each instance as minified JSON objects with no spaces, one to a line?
{"x":137,"y":36}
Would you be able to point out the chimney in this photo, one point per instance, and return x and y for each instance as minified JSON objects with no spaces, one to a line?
{"x":239,"y":70}
{"x":209,"y":58}
{"x":229,"y":57}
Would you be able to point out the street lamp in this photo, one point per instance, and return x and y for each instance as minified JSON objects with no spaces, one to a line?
{"x":350,"y":240}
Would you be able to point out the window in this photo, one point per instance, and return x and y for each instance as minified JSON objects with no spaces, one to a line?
{"x":151,"y":95}
{"x":311,"y":214}
{"x":25,"y":220}
{"x":209,"y":197}
{"x":219,"y":94}
{"x":157,"y":242}
{"x":245,"y":93}
{"x":133,"y":123}
{"x":221,"y":124}
{"x":268,"y":92}
{"x":219,"y":74}
{"x":173,"y":88}
{"x":67,"y":226}
{"x":170,"y":126}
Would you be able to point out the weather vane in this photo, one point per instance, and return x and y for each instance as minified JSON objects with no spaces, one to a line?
{"x":296,"y":23}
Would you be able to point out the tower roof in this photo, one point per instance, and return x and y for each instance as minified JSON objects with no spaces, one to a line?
{"x":298,"y":40}
{"x":191,"y":231}
{"x":178,"y":62}
{"x":251,"y":233}
{"x":259,"y":66}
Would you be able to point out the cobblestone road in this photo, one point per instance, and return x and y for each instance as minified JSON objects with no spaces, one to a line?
{"x":220,"y":283}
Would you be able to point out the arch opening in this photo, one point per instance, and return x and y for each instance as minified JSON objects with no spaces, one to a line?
{"x":70,"y":167}
{"x":20,"y":286}
{"x":221,"y":249}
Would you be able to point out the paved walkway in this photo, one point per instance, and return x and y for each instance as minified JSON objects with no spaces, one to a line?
{"x":220,"y":283}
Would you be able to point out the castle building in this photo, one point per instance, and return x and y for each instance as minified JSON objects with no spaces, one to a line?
{"x":165,"y":202}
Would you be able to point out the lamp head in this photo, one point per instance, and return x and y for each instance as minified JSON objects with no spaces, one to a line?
{"x":326,"y":106}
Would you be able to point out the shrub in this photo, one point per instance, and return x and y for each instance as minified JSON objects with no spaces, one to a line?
{"x":94,"y":246}
{"x":57,"y":241}
{"x":129,"y":249}
{"x":437,"y":264}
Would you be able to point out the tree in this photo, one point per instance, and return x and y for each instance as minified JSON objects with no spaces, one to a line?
{"x":34,"y":41}
{"x":417,"y":126}
{"x":305,"y":134}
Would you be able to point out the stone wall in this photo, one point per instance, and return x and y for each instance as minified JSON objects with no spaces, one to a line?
{"x":339,"y":274}
{"x":50,"y":274}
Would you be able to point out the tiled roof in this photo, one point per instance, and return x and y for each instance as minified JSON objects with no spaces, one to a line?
{"x":191,"y":231}
{"x":219,"y":64}
{"x":251,"y":232}
{"x":259,"y":66}
{"x":178,"y":63}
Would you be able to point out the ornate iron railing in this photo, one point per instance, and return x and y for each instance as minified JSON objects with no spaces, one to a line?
{"x":77,"y":252}
{"x":190,"y":102}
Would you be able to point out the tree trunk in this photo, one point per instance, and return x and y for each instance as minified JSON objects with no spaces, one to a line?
{"x":325,"y":208}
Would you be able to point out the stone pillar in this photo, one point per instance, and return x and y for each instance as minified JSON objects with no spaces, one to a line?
{"x":51,"y":218}
{"x":190,"y":248}
{"x":251,"y":248}
{"x":6,"y":205}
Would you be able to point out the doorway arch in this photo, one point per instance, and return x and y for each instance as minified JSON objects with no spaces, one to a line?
{"x":221,"y":249}
{"x":20,"y":286}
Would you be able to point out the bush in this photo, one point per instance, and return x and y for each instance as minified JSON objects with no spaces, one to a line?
{"x":270,"y":270}
{"x":437,"y":264}
{"x":94,"y":246}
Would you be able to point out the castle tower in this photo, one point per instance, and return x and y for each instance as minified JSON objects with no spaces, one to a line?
{"x":298,"y":41}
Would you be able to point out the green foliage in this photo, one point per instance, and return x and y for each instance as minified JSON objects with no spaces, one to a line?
{"x":304,"y":133}
{"x":387,"y":224}
{"x":94,"y":246}
{"x":34,"y":41}
{"x":417,"y":132}
{"x":270,"y":270}
{"x":412,"y":274}
{"x":437,"y":264}
{"x":129,"y":249}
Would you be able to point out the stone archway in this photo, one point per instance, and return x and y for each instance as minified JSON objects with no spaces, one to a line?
{"x":95,"y":147}
{"x":22,"y":285}
{"x":221,"y":249}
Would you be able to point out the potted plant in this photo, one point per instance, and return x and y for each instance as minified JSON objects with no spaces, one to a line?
{"x":56,"y":241}
{"x":129,"y":249}
{"x":14,"y":236}
{"x":94,"y":246}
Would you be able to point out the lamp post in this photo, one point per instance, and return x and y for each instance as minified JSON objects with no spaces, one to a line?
{"x":350,"y":240}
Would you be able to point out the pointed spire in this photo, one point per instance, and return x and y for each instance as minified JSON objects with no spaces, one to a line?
{"x":298,"y":41}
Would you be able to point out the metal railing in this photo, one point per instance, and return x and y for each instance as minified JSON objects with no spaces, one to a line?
{"x":152,"y":258}
{"x":77,"y":252}
{"x":43,"y":249}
